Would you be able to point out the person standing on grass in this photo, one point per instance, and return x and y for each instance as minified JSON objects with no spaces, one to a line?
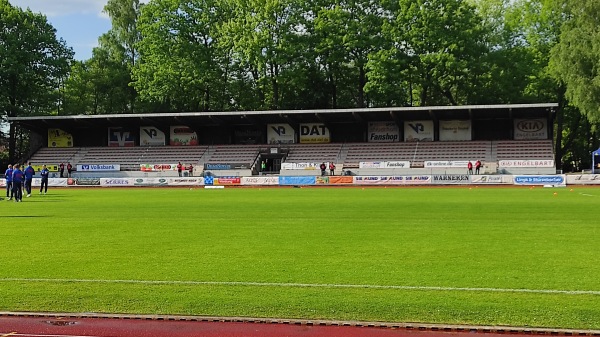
{"x":17,"y":177}
{"x":470,"y":167}
{"x":8,"y":176}
{"x":44,"y":173}
{"x":29,"y":172}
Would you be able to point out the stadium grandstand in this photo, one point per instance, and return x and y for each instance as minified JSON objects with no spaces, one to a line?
{"x":511,"y":139}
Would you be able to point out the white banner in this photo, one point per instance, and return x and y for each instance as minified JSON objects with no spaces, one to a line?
{"x":531,"y":129}
{"x":383,"y":132}
{"x":37,"y":182}
{"x":260,"y":181}
{"x":370,"y":164}
{"x":583,"y":179}
{"x":150,"y":135}
{"x":158,"y":167}
{"x":383,"y":164}
{"x":301,"y":166}
{"x":280,"y":134}
{"x":183,"y":136}
{"x":121,"y":137}
{"x":150,"y":181}
{"x":116,"y":181}
{"x":418,"y":131}
{"x":98,"y":167}
{"x":314,"y":133}
{"x":447,"y":163}
{"x":396,"y":164}
{"x":455,"y":130}
{"x":491,"y":179}
{"x":392,"y":180}
{"x":185,"y":181}
{"x":526,"y":163}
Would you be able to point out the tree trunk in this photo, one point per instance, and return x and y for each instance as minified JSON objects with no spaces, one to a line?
{"x":362,"y":79}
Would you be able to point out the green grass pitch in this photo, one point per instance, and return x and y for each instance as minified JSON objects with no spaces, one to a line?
{"x":486,"y":256}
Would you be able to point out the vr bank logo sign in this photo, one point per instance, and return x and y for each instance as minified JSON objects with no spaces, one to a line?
{"x":99,"y":168}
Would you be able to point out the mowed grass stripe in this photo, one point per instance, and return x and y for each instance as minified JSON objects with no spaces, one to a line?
{"x":494,"y":238}
{"x":307,"y":285}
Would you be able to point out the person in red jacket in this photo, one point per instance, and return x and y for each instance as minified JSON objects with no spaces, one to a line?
{"x":477,"y":166}
{"x":179,"y":168}
{"x":470,"y":167}
{"x":62,"y":170}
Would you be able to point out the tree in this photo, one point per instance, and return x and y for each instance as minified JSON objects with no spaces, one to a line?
{"x":33,"y":62}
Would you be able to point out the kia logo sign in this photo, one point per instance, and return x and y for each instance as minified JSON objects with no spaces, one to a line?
{"x":532,"y":125}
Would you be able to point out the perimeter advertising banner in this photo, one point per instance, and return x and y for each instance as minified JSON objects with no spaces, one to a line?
{"x":151,"y":136}
{"x":491,"y":179}
{"x":531,"y":129}
{"x":260,"y":181}
{"x":121,"y":137}
{"x":314,"y":133}
{"x":451,"y":179}
{"x":183,"y":136}
{"x":447,"y":163}
{"x":185,"y":181}
{"x":59,"y":138}
{"x":98,"y":167}
{"x":383,"y":164}
{"x":526,"y":163}
{"x":158,"y":167}
{"x":418,"y":131}
{"x":117,"y":181}
{"x":584,"y":179}
{"x":383,"y":132}
{"x":280,"y":134}
{"x":392,"y":180}
{"x":555,"y":180}
{"x":455,"y":130}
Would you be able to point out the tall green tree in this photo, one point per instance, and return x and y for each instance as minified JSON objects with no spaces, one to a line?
{"x":33,"y":63}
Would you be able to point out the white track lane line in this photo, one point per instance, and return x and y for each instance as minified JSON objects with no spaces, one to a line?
{"x":308,"y":285}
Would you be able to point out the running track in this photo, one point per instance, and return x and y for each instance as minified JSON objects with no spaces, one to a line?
{"x":90,"y":325}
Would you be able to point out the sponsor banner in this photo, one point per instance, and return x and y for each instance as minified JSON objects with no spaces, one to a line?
{"x":280,"y":134}
{"x":227,"y":181}
{"x":370,"y":164}
{"x":185,"y":181}
{"x":158,"y":167}
{"x":541,"y":180}
{"x":341,"y":180}
{"x":151,"y":136}
{"x":418,"y":131}
{"x":150,"y":181}
{"x":247,"y":135}
{"x":98,"y":167}
{"x":383,"y":132}
{"x":300,"y":166}
{"x":59,"y":138}
{"x":451,"y":179}
{"x":183,"y":136}
{"x":209,"y":180}
{"x":526,"y":163}
{"x":121,"y":137}
{"x":51,"y":168}
{"x":392,"y":180}
{"x":531,"y":129}
{"x":584,"y":179}
{"x":314,"y":133}
{"x":52,"y":182}
{"x":491,"y":179}
{"x":322,"y":180}
{"x":260,"y":181}
{"x":297,"y":180}
{"x":396,"y":164}
{"x":225,"y":166}
{"x":455,"y":130}
{"x":83,"y":181}
{"x":434,"y":164}
{"x":116,"y":182}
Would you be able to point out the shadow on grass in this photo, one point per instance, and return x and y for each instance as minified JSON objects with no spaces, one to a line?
{"x":22,"y":216}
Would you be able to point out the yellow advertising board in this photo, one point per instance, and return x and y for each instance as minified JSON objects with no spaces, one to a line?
{"x":51,"y":168}
{"x":59,"y":138}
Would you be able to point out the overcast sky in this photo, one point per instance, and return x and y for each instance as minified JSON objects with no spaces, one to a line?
{"x":78,"y":22}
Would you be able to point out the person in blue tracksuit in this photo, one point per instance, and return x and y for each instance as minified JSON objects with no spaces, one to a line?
{"x":29,"y":172}
{"x":44,"y":173}
{"x":8,"y":177}
{"x":17,"y":177}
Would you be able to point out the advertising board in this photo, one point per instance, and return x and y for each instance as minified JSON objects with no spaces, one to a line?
{"x":527,"y":129}
{"x":451,"y":179}
{"x":554,"y":180}
{"x":121,"y":137}
{"x":98,"y":167}
{"x":59,"y":138}
{"x":151,"y":136}
{"x":314,"y":133}
{"x":525,"y":163}
{"x":455,"y":130}
{"x":418,"y":131}
{"x":183,"y":136}
{"x":383,"y":132}
{"x":280,"y":134}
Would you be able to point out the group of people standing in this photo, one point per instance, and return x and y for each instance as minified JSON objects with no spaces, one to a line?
{"x":470,"y":167}
{"x":323,"y":168}
{"x":17,"y":180}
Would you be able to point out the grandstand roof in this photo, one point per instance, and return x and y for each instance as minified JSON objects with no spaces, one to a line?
{"x":42,"y":123}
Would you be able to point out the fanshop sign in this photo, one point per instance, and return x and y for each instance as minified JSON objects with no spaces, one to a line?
{"x":383,"y":132}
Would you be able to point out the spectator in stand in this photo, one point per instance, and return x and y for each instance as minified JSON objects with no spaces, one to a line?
{"x":470,"y":168}
{"x":69,"y":169}
{"x":323,"y":167}
{"x":191,"y":170}
{"x":179,"y":168}
{"x":44,"y":173}
{"x":29,"y":173}
{"x":331,"y":168}
{"x":8,"y":176}
{"x":477,"y":166}
{"x":62,"y":169}
{"x":17,"y":178}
